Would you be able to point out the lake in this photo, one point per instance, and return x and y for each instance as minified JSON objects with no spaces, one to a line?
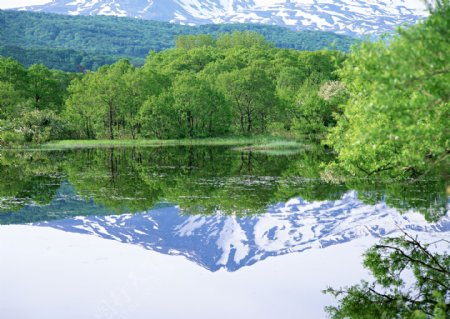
{"x":192,"y":232}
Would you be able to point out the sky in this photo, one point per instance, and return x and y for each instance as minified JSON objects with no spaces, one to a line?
{"x":5,"y":4}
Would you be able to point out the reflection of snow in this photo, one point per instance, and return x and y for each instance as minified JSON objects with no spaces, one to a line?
{"x":232,"y":237}
{"x":272,"y":233}
{"x":190,"y":225}
{"x":220,"y":241}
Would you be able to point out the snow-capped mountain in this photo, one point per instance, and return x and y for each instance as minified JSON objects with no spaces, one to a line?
{"x":228,"y":242}
{"x":356,"y":17}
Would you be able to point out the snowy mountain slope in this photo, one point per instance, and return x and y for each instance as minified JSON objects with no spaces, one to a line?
{"x":356,"y":17}
{"x":227,"y":242}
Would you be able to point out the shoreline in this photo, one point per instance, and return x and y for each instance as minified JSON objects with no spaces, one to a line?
{"x":257,"y":143}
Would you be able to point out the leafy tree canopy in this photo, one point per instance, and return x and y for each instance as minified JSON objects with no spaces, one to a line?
{"x":395,"y":122}
{"x":391,"y":295}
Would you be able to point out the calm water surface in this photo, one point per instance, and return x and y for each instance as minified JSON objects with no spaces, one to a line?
{"x":210,"y":232}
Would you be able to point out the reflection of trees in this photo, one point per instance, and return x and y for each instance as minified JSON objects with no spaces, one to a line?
{"x":201,"y":180}
{"x":210,"y":179}
{"x":27,"y":178}
{"x":198,"y":179}
{"x":110,"y":178}
{"x":302,"y":178}
{"x":427,"y":196}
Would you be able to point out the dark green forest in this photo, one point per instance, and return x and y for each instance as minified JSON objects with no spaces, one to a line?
{"x":77,"y":43}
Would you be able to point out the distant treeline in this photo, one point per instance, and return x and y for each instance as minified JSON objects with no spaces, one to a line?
{"x":68,"y":60}
{"x":75,"y":43}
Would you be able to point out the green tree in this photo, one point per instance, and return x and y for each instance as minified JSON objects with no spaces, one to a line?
{"x":252,"y":95}
{"x":245,"y":39}
{"x":112,"y":94}
{"x":82,"y":112}
{"x":157,"y":116}
{"x":39,"y":126}
{"x":189,"y":42}
{"x":102,"y":96}
{"x":46,"y":88}
{"x":203,"y":110}
{"x":316,"y":107}
{"x":390,"y":296}
{"x":10,"y":100}
{"x":395,"y":122}
{"x":141,"y":83}
{"x":11,"y":71}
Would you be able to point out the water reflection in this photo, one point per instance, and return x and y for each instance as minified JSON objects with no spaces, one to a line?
{"x":231,"y":242}
{"x":42,"y":186}
{"x":218,"y":207}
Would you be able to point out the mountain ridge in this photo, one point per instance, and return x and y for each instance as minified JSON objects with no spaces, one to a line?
{"x":351,"y":17}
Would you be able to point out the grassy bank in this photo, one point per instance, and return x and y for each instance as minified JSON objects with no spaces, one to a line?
{"x":241,"y":143}
{"x":275,"y":147}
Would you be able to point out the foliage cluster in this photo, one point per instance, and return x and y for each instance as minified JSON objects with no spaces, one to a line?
{"x":395,"y":122}
{"x":238,"y":84}
{"x":31,"y":101}
{"x":394,"y":125}
{"x":394,"y":294}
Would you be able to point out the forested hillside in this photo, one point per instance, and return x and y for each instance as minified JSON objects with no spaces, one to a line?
{"x":75,"y":43}
{"x":68,"y":60}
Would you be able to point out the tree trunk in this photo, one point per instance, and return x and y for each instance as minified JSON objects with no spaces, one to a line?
{"x":210,"y":125}
{"x":110,"y":121}
{"x":190,"y":123}
{"x":249,"y":122}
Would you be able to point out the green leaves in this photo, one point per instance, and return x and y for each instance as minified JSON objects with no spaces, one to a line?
{"x":10,"y":99}
{"x":29,"y":103}
{"x":395,"y":122}
{"x":390,"y":295}
{"x":102,"y":103}
{"x":252,"y":96}
{"x":237,"y":84}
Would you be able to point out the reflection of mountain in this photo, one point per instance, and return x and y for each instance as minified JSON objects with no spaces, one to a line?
{"x":229,"y":242}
